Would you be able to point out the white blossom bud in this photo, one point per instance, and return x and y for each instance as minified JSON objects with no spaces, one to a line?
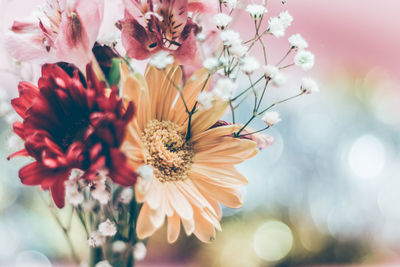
{"x":221,"y":20}
{"x":107,"y":228}
{"x":118,"y":246}
{"x":126,"y":196}
{"x":139,"y":251}
{"x":161,"y":60}
{"x":205,"y":100}
{"x":210,"y":63}
{"x":224,"y":89}
{"x":297,"y":41}
{"x":270,"y":71}
{"x":309,"y":86}
{"x":304,"y":59}
{"x":250,"y":65}
{"x":256,"y":11}
{"x":286,"y":19}
{"x":271,"y":118}
{"x":96,"y":239}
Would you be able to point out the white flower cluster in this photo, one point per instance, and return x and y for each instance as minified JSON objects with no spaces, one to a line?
{"x":105,"y":229}
{"x":221,"y":20}
{"x":256,"y":11}
{"x":277,"y":26}
{"x":272,"y":73}
{"x":271,"y":118}
{"x":223,"y":90}
{"x":161,"y":60}
{"x":231,"y":39}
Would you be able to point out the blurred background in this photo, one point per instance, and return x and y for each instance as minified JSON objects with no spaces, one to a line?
{"x":326,"y":193}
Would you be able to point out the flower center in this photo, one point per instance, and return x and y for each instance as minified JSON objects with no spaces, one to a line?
{"x":168,"y":152}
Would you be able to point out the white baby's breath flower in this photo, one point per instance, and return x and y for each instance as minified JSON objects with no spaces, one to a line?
{"x":210,"y":63}
{"x":201,"y":37}
{"x":256,"y":11}
{"x":139,"y":251}
{"x":221,"y":20}
{"x":161,"y":60}
{"x":118,"y":246}
{"x":276,"y":27}
{"x":205,"y":100}
{"x":224,"y":89}
{"x":100,"y":193}
{"x":126,"y":195}
{"x":279,"y":79}
{"x":304,"y":59}
{"x":230,"y":4}
{"x":72,"y":193}
{"x":249,"y":65}
{"x":107,"y":228}
{"x":238,"y":50}
{"x":96,"y":239}
{"x":103,"y":264}
{"x":146,"y":172}
{"x":309,"y":86}
{"x":297,"y":41}
{"x":270,"y":71}
{"x":230,"y":38}
{"x":286,"y":19}
{"x":271,"y":118}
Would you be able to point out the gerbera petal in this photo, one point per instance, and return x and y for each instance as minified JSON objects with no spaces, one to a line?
{"x":204,"y":230}
{"x":226,"y":176}
{"x":231,"y":151}
{"x":179,"y":202}
{"x":135,"y":90}
{"x":144,"y":226}
{"x":204,"y":119}
{"x":188,"y":225}
{"x":173,"y":228}
{"x":157,"y":217}
{"x":153,"y":197}
{"x":229,"y":197}
{"x":212,"y":135}
{"x":169,"y":89}
{"x":154,"y":78}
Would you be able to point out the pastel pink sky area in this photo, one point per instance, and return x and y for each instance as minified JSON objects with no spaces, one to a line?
{"x":353,"y":35}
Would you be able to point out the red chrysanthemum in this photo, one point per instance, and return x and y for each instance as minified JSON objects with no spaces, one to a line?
{"x":69,"y":122}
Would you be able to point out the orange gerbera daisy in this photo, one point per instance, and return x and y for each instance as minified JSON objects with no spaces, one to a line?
{"x":191,"y":177}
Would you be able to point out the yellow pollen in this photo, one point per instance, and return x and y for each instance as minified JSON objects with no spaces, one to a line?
{"x":168,"y":152}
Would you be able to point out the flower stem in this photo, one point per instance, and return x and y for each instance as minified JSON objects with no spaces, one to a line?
{"x":65,"y":230}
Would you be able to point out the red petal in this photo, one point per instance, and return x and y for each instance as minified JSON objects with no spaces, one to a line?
{"x":21,"y":152}
{"x":58,"y":193}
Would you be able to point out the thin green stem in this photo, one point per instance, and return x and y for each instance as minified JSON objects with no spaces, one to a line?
{"x":262,"y":95}
{"x":279,"y":102}
{"x":247,"y":89}
{"x":285,"y":56}
{"x":263,"y":129}
{"x":233,"y":111}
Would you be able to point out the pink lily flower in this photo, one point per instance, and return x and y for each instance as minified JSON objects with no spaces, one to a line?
{"x":63,"y":30}
{"x":154,"y":25}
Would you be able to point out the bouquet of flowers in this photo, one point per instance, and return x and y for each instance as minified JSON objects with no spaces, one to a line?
{"x":127,"y":148}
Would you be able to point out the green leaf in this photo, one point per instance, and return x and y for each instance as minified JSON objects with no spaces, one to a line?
{"x":114,"y":75}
